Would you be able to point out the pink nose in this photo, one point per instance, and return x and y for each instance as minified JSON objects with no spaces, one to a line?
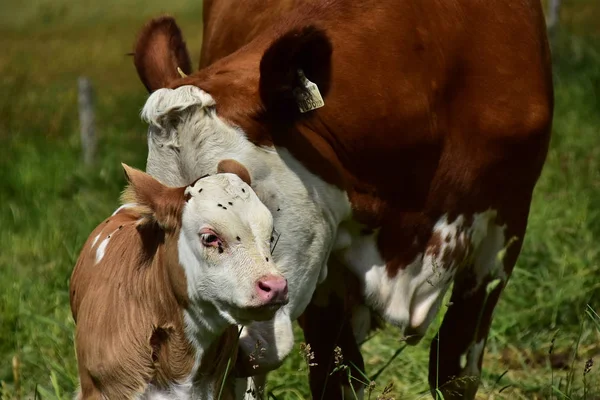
{"x":272,"y":289}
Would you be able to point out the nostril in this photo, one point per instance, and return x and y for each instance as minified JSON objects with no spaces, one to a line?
{"x":264,"y":286}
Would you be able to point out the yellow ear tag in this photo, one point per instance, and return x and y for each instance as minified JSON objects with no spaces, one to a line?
{"x":308,"y":98}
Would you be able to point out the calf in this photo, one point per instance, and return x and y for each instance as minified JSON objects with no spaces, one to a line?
{"x":160,"y":284}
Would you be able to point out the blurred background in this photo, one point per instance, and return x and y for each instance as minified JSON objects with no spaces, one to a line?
{"x":546,"y":328}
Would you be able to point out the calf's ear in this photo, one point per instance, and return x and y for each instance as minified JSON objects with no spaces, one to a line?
{"x":159,"y":51}
{"x":234,"y":167}
{"x":307,"y":49}
{"x":154,"y":201}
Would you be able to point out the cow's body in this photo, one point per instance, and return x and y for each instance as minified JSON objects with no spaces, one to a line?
{"x":416,"y":173}
{"x":148,"y":323}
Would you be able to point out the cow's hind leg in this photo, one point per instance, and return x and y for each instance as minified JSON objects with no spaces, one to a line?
{"x":456,"y":352}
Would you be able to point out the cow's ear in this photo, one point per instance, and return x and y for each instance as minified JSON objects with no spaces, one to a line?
{"x":294,"y":60}
{"x":159,"y":51}
{"x":154,"y":201}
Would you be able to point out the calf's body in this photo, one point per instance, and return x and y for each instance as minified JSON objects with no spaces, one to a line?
{"x":153,"y":319}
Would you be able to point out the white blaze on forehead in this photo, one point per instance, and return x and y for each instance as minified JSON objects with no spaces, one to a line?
{"x":164,"y":101}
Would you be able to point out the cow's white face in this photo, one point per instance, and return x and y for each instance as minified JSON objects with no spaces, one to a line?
{"x":225,"y":250}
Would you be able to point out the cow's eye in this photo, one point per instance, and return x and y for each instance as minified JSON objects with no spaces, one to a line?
{"x":209,"y":239}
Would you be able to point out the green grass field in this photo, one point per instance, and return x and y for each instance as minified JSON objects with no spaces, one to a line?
{"x":50,"y":202}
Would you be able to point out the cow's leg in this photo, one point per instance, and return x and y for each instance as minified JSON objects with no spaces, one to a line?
{"x":456,"y":352}
{"x":326,"y":328}
{"x":252,"y":388}
{"x":328,"y":322}
{"x":263,"y":347}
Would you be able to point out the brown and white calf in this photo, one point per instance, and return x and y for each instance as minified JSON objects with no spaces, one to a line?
{"x":161,"y":284}
{"x":397,"y":144}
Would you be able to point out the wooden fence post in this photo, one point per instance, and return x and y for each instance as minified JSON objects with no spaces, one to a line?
{"x":87,"y":120}
{"x":553,"y":14}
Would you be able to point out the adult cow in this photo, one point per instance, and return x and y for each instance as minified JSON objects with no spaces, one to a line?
{"x":417,"y":172}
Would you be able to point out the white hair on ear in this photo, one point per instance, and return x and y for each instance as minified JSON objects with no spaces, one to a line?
{"x":165,"y":101}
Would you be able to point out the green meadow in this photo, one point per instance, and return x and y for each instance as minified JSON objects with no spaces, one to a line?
{"x":546,"y":327}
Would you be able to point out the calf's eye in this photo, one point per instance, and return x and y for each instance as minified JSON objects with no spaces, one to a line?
{"x":210,"y":240}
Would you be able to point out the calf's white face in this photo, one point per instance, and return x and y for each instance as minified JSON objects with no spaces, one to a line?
{"x":224,"y":248}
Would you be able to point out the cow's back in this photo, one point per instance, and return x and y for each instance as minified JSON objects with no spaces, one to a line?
{"x":433,"y":103}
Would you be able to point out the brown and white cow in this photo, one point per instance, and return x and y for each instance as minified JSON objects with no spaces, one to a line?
{"x":161,"y":284}
{"x":397,"y":144}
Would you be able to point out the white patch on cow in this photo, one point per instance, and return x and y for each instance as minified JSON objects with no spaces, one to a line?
{"x":123,"y":207}
{"x":490,"y":242}
{"x":472,"y":359}
{"x":413,"y":297}
{"x":306,"y":210}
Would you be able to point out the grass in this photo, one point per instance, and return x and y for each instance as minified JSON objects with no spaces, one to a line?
{"x":546,"y":326}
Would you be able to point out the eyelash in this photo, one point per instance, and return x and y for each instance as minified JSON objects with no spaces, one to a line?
{"x":274,"y":240}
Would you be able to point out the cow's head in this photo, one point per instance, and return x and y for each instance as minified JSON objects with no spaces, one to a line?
{"x":258,"y":83}
{"x":219,"y":233}
{"x":257,"y":91}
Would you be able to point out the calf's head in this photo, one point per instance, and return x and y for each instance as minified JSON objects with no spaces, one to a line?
{"x":219,"y":233}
